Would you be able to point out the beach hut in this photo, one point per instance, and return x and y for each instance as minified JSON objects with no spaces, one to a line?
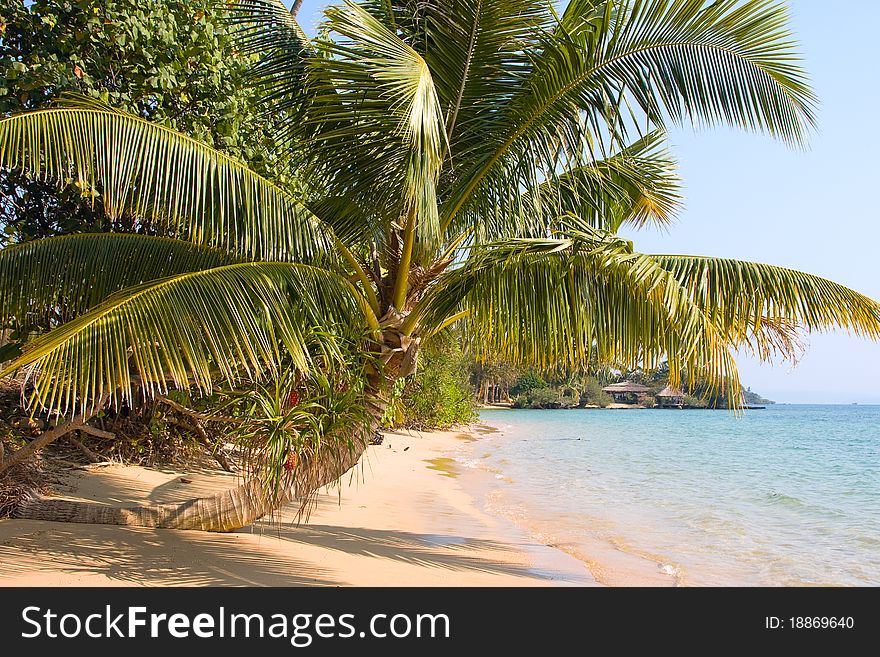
{"x":670,"y":397}
{"x":627,"y":392}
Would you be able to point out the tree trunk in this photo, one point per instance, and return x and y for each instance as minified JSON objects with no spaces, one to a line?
{"x":223,"y":512}
{"x":46,"y":438}
{"x":241,"y":506}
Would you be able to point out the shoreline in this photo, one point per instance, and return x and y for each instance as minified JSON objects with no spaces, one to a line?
{"x":610,"y":563}
{"x":404,"y":518}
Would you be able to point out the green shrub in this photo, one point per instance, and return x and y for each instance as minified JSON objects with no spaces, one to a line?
{"x":695,"y":402}
{"x":545,"y":397}
{"x":593,"y":395}
{"x":439,"y":394}
{"x":526,"y":383}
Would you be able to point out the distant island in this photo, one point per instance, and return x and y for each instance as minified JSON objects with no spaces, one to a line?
{"x":753,"y":398}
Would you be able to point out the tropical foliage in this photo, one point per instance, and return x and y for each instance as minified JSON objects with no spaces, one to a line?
{"x":439,"y":395}
{"x":444,"y":162}
{"x":173,"y":63}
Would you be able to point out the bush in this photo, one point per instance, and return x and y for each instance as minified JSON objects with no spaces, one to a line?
{"x":545,"y":397}
{"x":593,"y":395}
{"x":521,"y":401}
{"x":526,"y":383}
{"x":695,"y":402}
{"x":439,"y":394}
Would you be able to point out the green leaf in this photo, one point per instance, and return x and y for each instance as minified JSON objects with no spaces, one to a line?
{"x":189,"y":330}
{"x":73,"y":273}
{"x":761,"y":306}
{"x":163,"y":176}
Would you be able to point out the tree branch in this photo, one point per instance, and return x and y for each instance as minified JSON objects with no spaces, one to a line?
{"x":90,"y":455}
{"x":204,"y":417}
{"x":98,"y":433}
{"x":45,"y":439}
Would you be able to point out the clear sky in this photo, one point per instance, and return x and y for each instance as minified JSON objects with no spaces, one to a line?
{"x":751,"y":198}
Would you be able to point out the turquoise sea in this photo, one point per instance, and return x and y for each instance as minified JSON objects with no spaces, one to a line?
{"x":789,"y":495}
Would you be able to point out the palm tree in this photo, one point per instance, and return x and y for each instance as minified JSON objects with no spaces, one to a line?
{"x":455,"y":162}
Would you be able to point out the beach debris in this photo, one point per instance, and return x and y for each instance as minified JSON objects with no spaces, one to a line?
{"x":184,"y":480}
{"x":377,"y":438}
{"x":406,"y":448}
{"x":28,"y":423}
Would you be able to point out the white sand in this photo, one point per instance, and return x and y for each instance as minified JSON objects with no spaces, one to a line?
{"x":402,"y":521}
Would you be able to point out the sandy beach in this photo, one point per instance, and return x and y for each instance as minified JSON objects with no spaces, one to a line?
{"x":403,"y":519}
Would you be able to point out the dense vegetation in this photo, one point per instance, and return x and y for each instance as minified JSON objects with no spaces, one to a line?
{"x":550,"y":390}
{"x":174,"y":63}
{"x":439,"y":395}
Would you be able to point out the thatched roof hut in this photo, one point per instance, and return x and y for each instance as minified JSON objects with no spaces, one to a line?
{"x":627,"y":392}
{"x":671,"y":392}
{"x":670,"y":396}
{"x":627,"y":386}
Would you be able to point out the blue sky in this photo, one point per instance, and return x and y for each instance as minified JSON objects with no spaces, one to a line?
{"x":751,"y":198}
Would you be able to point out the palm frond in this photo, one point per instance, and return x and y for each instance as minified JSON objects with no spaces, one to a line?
{"x":727,"y":61}
{"x":566,"y":301}
{"x":268,"y":29}
{"x":164,"y":177}
{"x":478,"y":53}
{"x":375,"y":116}
{"x":65,"y":276}
{"x":190,"y":331}
{"x":753,"y":302}
{"x":638,"y":185}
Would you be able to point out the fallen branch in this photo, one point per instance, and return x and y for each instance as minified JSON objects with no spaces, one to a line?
{"x":47,"y":437}
{"x":98,"y":433}
{"x":90,"y":455}
{"x":204,"y":417}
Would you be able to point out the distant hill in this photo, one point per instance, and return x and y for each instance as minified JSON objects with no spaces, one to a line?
{"x":754,"y":399}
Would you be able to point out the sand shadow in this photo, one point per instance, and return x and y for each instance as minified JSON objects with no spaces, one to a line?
{"x":149,"y":557}
{"x":444,"y":551}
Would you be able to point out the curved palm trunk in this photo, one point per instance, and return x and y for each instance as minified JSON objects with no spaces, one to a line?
{"x":223,"y":512}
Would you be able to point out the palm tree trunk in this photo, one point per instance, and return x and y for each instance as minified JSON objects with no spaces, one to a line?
{"x":242,"y":506}
{"x":223,"y":512}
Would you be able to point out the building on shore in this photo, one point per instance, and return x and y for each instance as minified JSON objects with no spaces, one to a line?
{"x":670,"y":397}
{"x":628,"y":392}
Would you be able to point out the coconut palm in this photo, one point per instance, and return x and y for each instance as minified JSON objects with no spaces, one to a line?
{"x":455,"y":162}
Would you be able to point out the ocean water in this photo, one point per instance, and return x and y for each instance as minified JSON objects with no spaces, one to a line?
{"x":789,"y":495}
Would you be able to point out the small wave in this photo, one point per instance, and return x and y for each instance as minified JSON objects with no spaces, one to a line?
{"x":781,"y":498}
